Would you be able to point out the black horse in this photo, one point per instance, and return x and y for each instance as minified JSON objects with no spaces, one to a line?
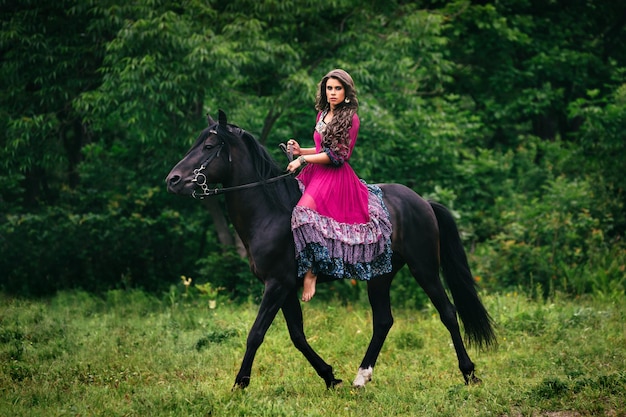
{"x":260,"y":198}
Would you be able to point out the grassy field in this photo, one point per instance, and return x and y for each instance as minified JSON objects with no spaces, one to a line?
{"x":133,"y":355}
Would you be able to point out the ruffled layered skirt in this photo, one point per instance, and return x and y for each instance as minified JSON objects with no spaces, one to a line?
{"x":338,"y":246}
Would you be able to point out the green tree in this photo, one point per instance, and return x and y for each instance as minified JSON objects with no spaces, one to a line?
{"x":489,"y":107}
{"x":524,"y":62}
{"x":50,"y":55}
{"x":601,"y":150}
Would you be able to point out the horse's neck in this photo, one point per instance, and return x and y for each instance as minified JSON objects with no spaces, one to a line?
{"x":240,"y":217}
{"x":253,"y":211}
{"x":253,"y":214}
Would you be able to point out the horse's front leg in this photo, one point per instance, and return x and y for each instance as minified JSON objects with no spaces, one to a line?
{"x":378,"y":294}
{"x":273,"y":298}
{"x":293,"y":316}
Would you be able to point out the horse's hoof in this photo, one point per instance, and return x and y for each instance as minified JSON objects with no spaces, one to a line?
{"x":333,"y":383}
{"x":363,"y":377}
{"x":471,"y":379}
{"x":241,"y":383}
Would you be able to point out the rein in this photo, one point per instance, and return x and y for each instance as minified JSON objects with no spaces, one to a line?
{"x":200,"y":178}
{"x":207,"y":192}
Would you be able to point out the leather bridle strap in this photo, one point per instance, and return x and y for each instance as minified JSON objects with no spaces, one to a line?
{"x":207,"y":192}
{"x":200,"y":179}
{"x":287,"y":149}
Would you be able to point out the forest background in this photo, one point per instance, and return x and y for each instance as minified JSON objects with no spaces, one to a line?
{"x":510,"y":112}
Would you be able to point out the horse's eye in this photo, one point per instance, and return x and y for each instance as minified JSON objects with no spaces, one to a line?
{"x":208,"y":146}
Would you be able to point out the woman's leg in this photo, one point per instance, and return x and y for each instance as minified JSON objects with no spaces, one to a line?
{"x":309,"y":278}
{"x":309,"y":285}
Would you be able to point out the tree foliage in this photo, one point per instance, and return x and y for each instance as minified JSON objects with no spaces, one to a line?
{"x":509,"y":112}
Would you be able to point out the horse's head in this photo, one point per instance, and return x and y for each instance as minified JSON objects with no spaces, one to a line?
{"x":208,"y":160}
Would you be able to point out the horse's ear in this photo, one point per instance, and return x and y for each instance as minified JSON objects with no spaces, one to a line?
{"x":209,"y":120}
{"x":222,"y":118}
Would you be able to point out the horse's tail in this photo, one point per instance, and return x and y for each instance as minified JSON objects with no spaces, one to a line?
{"x":477,"y":323}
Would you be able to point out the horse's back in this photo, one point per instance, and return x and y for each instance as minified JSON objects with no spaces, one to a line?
{"x":415,"y":228}
{"x":404,"y":205}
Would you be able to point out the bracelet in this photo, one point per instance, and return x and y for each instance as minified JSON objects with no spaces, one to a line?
{"x":302,"y":160}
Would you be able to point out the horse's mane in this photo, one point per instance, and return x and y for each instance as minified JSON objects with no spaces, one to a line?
{"x":284,"y":193}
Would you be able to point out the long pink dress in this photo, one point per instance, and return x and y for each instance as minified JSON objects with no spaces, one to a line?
{"x":341,"y":226}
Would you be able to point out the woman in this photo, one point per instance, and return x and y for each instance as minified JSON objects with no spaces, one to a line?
{"x":340,"y":225}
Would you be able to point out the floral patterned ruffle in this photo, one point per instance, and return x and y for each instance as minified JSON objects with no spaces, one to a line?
{"x":342,"y":250}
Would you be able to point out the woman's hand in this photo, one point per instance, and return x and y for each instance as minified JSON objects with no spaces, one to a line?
{"x":295,"y":164}
{"x":294,"y":146}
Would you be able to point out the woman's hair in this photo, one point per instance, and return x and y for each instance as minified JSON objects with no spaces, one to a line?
{"x":337,"y":136}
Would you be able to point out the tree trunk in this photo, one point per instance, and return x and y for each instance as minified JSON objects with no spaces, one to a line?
{"x":270,"y":119}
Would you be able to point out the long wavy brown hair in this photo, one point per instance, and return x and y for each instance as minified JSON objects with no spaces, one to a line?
{"x":337,"y":135}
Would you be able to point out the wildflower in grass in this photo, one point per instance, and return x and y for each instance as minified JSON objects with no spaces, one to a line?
{"x":186,"y":283}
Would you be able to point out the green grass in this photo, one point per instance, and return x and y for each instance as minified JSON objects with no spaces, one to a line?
{"x":133,"y":355}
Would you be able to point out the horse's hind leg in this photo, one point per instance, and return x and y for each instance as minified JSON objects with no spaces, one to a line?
{"x":293,"y":316}
{"x":431,"y":283}
{"x":378,"y":294}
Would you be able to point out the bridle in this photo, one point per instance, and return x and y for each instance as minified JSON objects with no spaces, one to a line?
{"x":201,"y":181}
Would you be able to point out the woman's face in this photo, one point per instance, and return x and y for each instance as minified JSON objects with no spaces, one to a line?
{"x":335,"y":93}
